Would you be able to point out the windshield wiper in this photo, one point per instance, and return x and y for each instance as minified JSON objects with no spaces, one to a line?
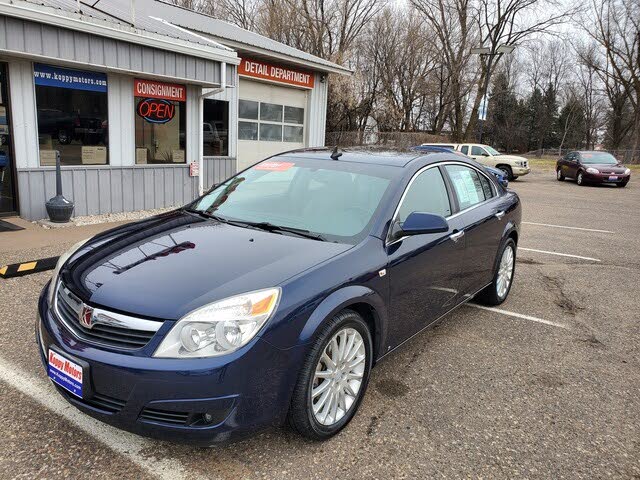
{"x":204,"y":214}
{"x":270,"y":227}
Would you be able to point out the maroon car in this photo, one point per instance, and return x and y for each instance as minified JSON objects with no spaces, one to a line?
{"x":592,"y":167}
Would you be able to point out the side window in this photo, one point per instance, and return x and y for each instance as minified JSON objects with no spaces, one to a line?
{"x":465,"y":149}
{"x":486,"y":187}
{"x":427,"y":193}
{"x":479,"y":151}
{"x":467,"y":185}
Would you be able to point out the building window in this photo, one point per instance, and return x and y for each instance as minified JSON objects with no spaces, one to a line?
{"x":215,"y":129}
{"x":269,"y":122}
{"x":161,"y":121}
{"x":72,"y":116}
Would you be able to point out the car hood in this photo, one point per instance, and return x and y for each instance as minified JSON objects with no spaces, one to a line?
{"x":513,"y":158}
{"x":166,"y":266}
{"x":607,"y":168}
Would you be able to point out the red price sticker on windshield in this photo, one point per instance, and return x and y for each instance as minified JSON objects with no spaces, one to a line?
{"x":275,"y":166}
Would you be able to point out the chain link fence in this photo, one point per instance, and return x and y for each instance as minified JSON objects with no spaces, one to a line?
{"x":625,"y":156}
{"x":391,"y":140}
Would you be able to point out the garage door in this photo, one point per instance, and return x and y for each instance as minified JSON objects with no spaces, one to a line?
{"x":271,"y":120}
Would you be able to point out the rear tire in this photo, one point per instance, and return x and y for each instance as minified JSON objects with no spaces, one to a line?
{"x":308,"y":412}
{"x":559,"y":175}
{"x":505,"y":269}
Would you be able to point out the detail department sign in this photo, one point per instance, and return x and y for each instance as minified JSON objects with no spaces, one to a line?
{"x":275,"y":73}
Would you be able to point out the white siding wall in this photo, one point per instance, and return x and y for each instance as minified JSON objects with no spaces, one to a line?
{"x":121,"y":120}
{"x":317,"y":113}
{"x":23,"y":114}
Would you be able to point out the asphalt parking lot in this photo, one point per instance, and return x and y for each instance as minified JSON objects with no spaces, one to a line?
{"x":546,"y":386}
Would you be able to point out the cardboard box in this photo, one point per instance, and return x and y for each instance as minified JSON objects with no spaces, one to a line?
{"x":177,"y":156}
{"x":94,"y":155}
{"x":47,"y":158}
{"x":141,"y":156}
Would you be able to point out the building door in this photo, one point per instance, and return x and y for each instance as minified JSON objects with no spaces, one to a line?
{"x":8,"y":203}
{"x":271,"y":119}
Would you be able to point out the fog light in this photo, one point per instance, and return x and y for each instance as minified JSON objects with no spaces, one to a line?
{"x":207,"y":417}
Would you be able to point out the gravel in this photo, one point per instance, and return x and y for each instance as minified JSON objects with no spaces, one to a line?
{"x":115,"y":217}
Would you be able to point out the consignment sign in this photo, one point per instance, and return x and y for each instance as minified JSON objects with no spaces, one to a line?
{"x":275,"y":73}
{"x":161,"y":90}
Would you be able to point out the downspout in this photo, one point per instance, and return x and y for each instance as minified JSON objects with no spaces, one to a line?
{"x":215,"y":91}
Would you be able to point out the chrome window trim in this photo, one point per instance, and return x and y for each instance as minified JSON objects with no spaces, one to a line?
{"x":105,"y":317}
{"x":454,"y":215}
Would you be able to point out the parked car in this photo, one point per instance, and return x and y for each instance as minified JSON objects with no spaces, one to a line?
{"x":499,"y":174}
{"x":270,"y":298}
{"x":512,"y":165}
{"x":592,"y":167}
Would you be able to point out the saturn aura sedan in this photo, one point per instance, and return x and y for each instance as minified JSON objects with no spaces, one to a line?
{"x":269,"y":299}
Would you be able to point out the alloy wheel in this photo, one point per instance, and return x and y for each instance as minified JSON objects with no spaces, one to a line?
{"x":338,"y":376}
{"x":580,"y":179}
{"x":505,"y":272}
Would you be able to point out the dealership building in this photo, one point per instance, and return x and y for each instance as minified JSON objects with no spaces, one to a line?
{"x":146,"y":103}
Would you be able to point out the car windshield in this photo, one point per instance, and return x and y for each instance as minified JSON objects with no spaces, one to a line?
{"x":492,"y":150}
{"x":333,"y":200}
{"x":601,"y":158}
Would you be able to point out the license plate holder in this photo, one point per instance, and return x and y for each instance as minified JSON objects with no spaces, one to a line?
{"x":69,"y":373}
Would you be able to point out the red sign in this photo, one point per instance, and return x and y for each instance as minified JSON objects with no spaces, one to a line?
{"x":165,"y":91}
{"x":275,"y":73}
{"x":156,"y":111}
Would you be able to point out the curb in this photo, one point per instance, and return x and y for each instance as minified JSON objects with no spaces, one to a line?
{"x":26,"y":268}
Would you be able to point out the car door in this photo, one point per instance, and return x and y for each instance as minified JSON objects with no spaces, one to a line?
{"x":571,"y":165}
{"x":480,"y":218}
{"x":424,"y":269}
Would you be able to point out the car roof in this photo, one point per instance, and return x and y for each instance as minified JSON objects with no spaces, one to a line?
{"x":373,"y":156}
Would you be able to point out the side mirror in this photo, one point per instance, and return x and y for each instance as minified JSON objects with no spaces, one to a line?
{"x":419,"y":223}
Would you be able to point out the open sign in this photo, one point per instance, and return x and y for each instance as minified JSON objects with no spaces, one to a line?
{"x":156,"y":110}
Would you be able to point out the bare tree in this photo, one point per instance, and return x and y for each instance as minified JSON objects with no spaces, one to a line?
{"x":509,"y":23}
{"x":616,"y":30}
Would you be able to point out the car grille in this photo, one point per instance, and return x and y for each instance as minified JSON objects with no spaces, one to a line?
{"x":164,"y":416}
{"x":68,"y":308}
{"x":98,"y":401}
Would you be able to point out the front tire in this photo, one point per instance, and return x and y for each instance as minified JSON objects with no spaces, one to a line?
{"x":333,"y":378}
{"x":580,"y":179}
{"x":623,"y":184}
{"x":559,"y":175}
{"x":498,"y":291}
{"x":507,"y":171}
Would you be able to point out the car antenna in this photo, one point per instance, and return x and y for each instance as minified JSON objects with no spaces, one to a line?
{"x":336,"y":154}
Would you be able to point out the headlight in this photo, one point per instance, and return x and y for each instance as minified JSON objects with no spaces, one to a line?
{"x":627,"y":171}
{"x":592,"y":170}
{"x":61,"y":261}
{"x":220,"y":327}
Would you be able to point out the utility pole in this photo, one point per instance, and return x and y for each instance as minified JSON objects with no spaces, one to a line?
{"x":488,"y":52}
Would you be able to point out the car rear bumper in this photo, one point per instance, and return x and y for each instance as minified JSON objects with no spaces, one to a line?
{"x":196,"y":401}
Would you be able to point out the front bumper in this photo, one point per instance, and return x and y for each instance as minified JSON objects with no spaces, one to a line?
{"x":605,"y":177}
{"x":520,"y":171}
{"x":196,"y":401}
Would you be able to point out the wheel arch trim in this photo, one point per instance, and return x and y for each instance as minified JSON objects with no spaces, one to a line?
{"x":350,"y":296}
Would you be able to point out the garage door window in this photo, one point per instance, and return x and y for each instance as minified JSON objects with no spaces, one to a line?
{"x":270,"y":122}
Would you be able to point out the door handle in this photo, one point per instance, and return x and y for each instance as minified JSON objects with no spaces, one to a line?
{"x":499,"y":215}
{"x":457,"y":236}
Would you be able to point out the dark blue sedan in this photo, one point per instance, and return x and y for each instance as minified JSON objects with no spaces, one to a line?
{"x":270,"y":298}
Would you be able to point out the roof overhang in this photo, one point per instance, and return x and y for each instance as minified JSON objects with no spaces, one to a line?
{"x":74,"y":21}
